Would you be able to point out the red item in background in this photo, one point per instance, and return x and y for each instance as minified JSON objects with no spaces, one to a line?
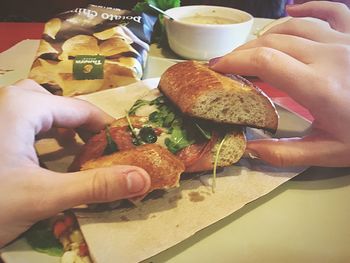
{"x":12,"y":33}
{"x":283,"y":99}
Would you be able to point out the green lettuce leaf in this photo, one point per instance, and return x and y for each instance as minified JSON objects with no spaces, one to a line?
{"x":40,"y":237}
{"x":159,"y":35}
{"x":179,"y":138}
{"x":161,"y":4}
{"x":111,"y":146}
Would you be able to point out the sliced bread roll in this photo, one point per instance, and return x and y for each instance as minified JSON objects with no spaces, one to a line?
{"x":230,"y":152}
{"x":203,"y":93}
{"x":163,"y":167}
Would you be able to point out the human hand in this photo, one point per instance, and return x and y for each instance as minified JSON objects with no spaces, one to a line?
{"x":29,"y":193}
{"x":311,"y":62}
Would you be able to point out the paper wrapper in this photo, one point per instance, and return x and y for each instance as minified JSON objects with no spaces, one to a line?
{"x":135,"y":234}
{"x":132,"y":235}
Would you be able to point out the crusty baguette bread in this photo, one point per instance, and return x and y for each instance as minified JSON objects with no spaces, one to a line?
{"x":232,"y":149}
{"x":231,"y":152}
{"x":203,"y":93}
{"x":163,"y":167}
{"x":96,"y":145}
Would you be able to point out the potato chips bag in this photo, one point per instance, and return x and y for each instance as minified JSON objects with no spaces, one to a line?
{"x":90,"y":49}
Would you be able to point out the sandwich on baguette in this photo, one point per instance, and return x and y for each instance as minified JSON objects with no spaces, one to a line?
{"x":196,"y":123}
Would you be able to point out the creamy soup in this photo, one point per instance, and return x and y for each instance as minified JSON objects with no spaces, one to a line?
{"x":213,"y":20}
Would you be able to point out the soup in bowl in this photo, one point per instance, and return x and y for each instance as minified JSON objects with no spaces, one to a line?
{"x":209,"y":20}
{"x":203,"y":32}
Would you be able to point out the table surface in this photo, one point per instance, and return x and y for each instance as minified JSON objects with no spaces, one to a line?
{"x":304,"y":220}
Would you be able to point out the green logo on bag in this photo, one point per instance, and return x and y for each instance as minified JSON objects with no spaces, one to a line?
{"x":88,"y":67}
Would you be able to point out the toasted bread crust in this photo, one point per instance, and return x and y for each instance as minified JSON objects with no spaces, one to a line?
{"x":95,"y":146}
{"x":203,"y":93}
{"x":163,"y":167}
{"x":231,"y":152}
{"x":186,"y":81}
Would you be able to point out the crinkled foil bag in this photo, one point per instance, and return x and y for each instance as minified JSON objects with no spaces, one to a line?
{"x":91,"y":49}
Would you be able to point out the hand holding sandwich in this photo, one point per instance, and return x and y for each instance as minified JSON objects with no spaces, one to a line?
{"x":311,"y":62}
{"x":28,"y":192}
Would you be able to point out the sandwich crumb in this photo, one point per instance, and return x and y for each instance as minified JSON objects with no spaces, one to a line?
{"x":196,"y":197}
{"x":124,"y":218}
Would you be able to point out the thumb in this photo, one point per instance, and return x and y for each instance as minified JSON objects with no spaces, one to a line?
{"x":313,"y":150}
{"x":96,"y":186}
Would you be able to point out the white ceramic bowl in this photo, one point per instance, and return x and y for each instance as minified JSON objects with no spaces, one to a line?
{"x":206,"y":41}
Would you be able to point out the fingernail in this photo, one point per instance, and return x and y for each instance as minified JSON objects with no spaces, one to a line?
{"x":135,"y":182}
{"x":213,"y":61}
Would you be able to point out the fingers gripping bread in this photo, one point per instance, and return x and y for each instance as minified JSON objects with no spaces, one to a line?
{"x":201,"y":92}
{"x":163,"y":167}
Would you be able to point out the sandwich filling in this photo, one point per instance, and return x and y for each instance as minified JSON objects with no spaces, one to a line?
{"x":190,"y":140}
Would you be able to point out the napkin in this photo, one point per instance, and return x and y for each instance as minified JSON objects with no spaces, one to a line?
{"x":16,"y":62}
